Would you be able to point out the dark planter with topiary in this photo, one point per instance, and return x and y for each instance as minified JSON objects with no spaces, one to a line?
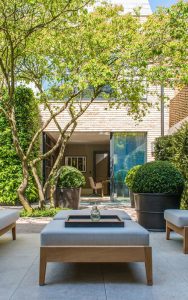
{"x":157,"y":186}
{"x":69,"y":187}
{"x":129,"y":179}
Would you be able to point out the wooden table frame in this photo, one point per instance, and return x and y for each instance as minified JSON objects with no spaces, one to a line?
{"x":9,"y":227}
{"x":95,"y":254}
{"x":180,"y":230}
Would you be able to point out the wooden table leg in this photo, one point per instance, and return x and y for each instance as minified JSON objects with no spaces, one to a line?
{"x":148,"y":265}
{"x":185,"y":240}
{"x":167,"y":231}
{"x":42,"y":267}
{"x":14,"y":232}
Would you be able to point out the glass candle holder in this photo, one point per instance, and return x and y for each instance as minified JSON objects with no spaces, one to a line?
{"x":95,"y":214}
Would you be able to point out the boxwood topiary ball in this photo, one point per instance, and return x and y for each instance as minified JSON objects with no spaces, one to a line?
{"x":158,"y":177}
{"x":70,"y":177}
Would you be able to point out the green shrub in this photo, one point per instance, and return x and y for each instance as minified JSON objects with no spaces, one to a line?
{"x":175,"y":149}
{"x":27,"y":119}
{"x":164,"y":148}
{"x":158,"y":177}
{"x":70,"y":177}
{"x":48,"y":212}
{"x":129,"y":179}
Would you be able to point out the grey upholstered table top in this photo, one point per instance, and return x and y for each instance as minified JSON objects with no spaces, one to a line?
{"x":55,"y":233}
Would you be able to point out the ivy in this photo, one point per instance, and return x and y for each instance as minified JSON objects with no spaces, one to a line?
{"x":174,"y":148}
{"x":27,"y":119}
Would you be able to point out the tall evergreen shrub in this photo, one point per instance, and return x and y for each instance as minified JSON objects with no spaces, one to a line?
{"x":27,"y":118}
{"x":174,"y":148}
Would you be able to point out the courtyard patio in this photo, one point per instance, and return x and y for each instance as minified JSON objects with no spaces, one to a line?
{"x":19,"y":265}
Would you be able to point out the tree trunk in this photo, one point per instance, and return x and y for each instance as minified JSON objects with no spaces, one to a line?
{"x":52,"y":199}
{"x":22,"y":188}
{"x":39,"y":186}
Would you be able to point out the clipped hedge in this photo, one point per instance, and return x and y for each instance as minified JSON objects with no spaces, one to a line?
{"x":158,"y":177}
{"x":174,"y":148}
{"x":163,"y":148}
{"x":27,"y":118}
{"x":129,"y":179}
{"x":70,"y":177}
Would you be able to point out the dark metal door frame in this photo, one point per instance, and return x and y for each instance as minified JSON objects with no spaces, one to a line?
{"x":94,"y":162}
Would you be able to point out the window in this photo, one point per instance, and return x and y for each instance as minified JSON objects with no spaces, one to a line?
{"x":78,"y":162}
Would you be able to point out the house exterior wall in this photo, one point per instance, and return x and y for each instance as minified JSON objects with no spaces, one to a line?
{"x":100,"y":118}
{"x":178,"y":110}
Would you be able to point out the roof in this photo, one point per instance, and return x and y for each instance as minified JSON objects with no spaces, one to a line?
{"x":129,"y":5}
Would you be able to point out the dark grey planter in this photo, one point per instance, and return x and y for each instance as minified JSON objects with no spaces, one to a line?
{"x":131,"y":195}
{"x":68,"y":197}
{"x":150,"y":209}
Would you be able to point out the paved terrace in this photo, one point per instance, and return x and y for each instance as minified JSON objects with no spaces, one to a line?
{"x":19,"y":263}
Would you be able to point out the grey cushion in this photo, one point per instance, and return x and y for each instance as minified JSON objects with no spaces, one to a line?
{"x":65,"y":213}
{"x":8,"y":216}
{"x":55,"y":233}
{"x":177,"y":217}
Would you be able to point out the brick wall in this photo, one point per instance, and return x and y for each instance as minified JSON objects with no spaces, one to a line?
{"x":100,"y":118}
{"x":179,"y":107}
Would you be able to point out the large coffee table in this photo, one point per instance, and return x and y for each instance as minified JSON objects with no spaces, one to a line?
{"x":95,"y":245}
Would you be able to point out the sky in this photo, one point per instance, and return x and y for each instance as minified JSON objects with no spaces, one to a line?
{"x":155,"y":3}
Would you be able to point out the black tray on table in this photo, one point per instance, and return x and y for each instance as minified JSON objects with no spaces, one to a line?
{"x":85,"y":221}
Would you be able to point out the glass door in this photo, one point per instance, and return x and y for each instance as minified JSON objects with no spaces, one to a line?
{"x":126,"y":151}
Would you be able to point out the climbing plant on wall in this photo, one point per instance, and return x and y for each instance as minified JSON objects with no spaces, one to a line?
{"x":174,"y":148}
{"x":27,"y":118}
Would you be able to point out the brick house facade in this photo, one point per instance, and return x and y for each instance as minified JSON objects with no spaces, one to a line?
{"x":178,"y":110}
{"x":107,"y":141}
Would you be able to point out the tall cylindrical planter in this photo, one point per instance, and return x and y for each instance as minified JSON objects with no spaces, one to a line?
{"x":150,"y":209}
{"x":131,"y":195}
{"x":69,"y":197}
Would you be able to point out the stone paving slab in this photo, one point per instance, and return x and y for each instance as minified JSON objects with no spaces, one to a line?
{"x":19,"y":274}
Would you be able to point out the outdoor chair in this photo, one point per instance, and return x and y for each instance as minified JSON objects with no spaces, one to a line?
{"x":96,"y":186}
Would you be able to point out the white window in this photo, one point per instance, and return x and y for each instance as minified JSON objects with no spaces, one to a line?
{"x":78,"y":162}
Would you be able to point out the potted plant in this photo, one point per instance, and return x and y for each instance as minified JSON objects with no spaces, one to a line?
{"x":156,"y":186}
{"x":129,"y":179}
{"x":69,"y":185}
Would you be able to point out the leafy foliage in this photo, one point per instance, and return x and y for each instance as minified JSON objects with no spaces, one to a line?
{"x":163,"y":148}
{"x":27,"y":117}
{"x":70,"y":177}
{"x":166,"y":42}
{"x":158,"y":177}
{"x":48,"y":212}
{"x":131,"y":175}
{"x":72,"y":48}
{"x":174,"y":148}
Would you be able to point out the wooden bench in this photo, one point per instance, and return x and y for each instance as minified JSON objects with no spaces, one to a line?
{"x":177,"y":220}
{"x":8,"y":218}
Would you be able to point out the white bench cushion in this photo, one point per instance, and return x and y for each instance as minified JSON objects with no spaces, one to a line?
{"x":177,"y":217}
{"x":62,"y":215}
{"x":56,"y":234}
{"x":8,"y":216}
